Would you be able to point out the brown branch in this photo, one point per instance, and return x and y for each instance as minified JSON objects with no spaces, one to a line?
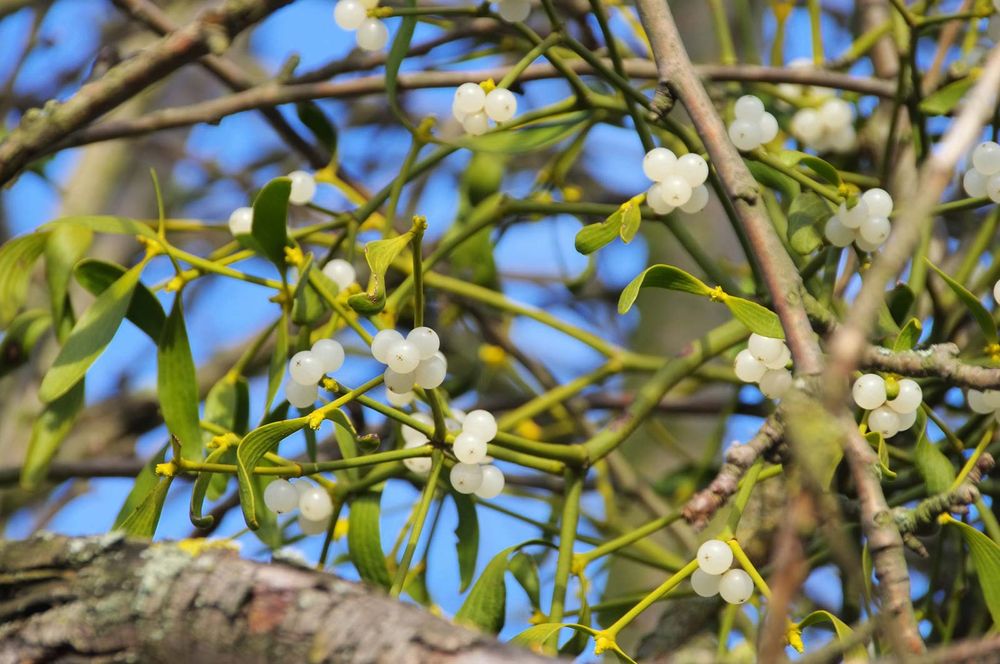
{"x":937,"y":361}
{"x":109,"y":599}
{"x":212,"y":31}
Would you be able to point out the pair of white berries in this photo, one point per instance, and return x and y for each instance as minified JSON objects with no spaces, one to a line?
{"x":888,"y":416}
{"x":714,"y":576}
{"x":307,"y":367}
{"x":830,"y":128}
{"x":866,"y":224}
{"x":983,"y":179}
{"x":352,"y":15}
{"x":313,"y":503}
{"x":473,"y":107}
{"x":678,"y":182}
{"x":764,"y":362}
{"x":753,"y":125}
{"x":413,"y":360}
{"x":984,"y":402}
{"x":302,"y":192}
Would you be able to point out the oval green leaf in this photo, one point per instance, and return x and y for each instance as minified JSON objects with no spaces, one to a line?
{"x":145,"y":311}
{"x":249,"y":453}
{"x":364,"y":539}
{"x":17,"y":257}
{"x":661,"y":276}
{"x":986,"y":557}
{"x":50,"y":428}
{"x":270,"y":221}
{"x":177,"y":384}
{"x":756,"y":317}
{"x":466,"y":538}
{"x":972,"y":303}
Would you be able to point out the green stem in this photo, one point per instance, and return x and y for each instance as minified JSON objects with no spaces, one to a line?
{"x":540,"y":49}
{"x":567,"y":537}
{"x":423,"y":508}
{"x":613,"y":545}
{"x":648,"y":600}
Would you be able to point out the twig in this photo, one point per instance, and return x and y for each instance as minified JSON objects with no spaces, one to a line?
{"x":938,"y":361}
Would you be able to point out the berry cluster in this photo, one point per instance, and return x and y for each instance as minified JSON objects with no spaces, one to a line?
{"x":514,"y":11}
{"x":678,"y":182}
{"x":474,"y":108}
{"x":888,"y":416}
{"x":830,"y":128}
{"x":983,"y":179}
{"x":713,"y":576}
{"x":371,"y":33}
{"x":307,"y":367}
{"x":984,"y":402}
{"x":764,"y":362}
{"x":866,"y":224}
{"x":302,"y":192}
{"x":413,"y":360}
{"x":753,"y":125}
{"x":314,"y":504}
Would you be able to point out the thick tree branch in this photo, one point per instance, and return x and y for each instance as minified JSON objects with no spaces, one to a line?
{"x":938,"y":361}
{"x":212,"y":32}
{"x":111,"y":600}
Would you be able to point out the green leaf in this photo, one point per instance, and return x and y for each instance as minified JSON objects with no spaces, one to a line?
{"x":17,"y":258}
{"x":144,"y":483}
{"x":270,"y":221}
{"x":805,"y":218}
{"x":986,"y":557}
{"x":972,"y":303}
{"x":64,"y":249}
{"x":855,"y":654}
{"x":877,"y":441}
{"x":899,"y":300}
{"x":908,"y":336}
{"x":48,"y":431}
{"x":200,"y":489}
{"x":90,"y":336}
{"x":536,"y":636}
{"x":530,"y":138}
{"x":944,"y":100}
{"x":105,"y":224}
{"x":278,"y":363}
{"x":466,"y":538}
{"x":227,"y":405}
{"x":525,"y":570}
{"x":177,"y":384}
{"x":24,"y":332}
{"x":142,"y":522}
{"x":380,"y":254}
{"x":313,"y":117}
{"x":661,"y":276}
{"x":774,"y":179}
{"x":485,"y":606}
{"x":249,"y":453}
{"x":145,"y":311}
{"x":822,"y":168}
{"x":756,"y":317}
{"x":268,"y":532}
{"x":631,"y":218}
{"x":932,"y":465}
{"x":592,"y":237}
{"x":397,"y":53}
{"x":364,"y":539}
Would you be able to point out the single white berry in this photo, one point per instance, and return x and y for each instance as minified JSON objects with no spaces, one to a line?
{"x":399,"y":399}
{"x":704,"y":584}
{"x":884,"y":420}
{"x":466,"y":477}
{"x":855,"y":216}
{"x":996,"y":292}
{"x":865,"y":245}
{"x":501,"y":104}
{"x":280,"y":496}
{"x":382,"y":342}
{"x":806,"y":125}
{"x":315,"y":504}
{"x":399,"y":382}
{"x":303,"y":187}
{"x":476,"y":124}
{"x":993,"y":187}
{"x":340,"y":272}
{"x":349,"y":14}
{"x":782,"y":360}
{"x":426,"y":340}
{"x":656,"y":201}
{"x":907,"y":420}
{"x":470,"y":98}
{"x":977,"y":402}
{"x":837,"y":233}
{"x":492,"y":483}
{"x":514,"y":11}
{"x":744,"y":134}
{"x":469,"y":448}
{"x":659,"y":163}
{"x":843,"y":140}
{"x":456,"y":112}
{"x":693,"y":168}
{"x":736,"y":586}
{"x":765,"y":349}
{"x":403,"y":357}
{"x":879,"y":202}
{"x":418,"y":465}
{"x":775,"y":383}
{"x":992,"y":398}
{"x":986,"y":158}
{"x":748,"y":107}
{"x":480,"y":424}
{"x":415,"y":437}
{"x":675,"y":190}
{"x":869,"y":391}
{"x":768,"y":126}
{"x":698,"y":200}
{"x":714,"y":556}
{"x":909,"y":397}
{"x":305,"y":368}
{"x":431,"y":372}
{"x":973,"y":182}
{"x":330,"y":353}
{"x":241,"y":221}
{"x":310,"y":527}
{"x":301,"y":396}
{"x":875,"y":230}
{"x":748,"y":368}
{"x":835,"y":113}
{"x":372,"y":35}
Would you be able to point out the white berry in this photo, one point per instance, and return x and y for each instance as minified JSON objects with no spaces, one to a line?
{"x":315,"y":504}
{"x":865,"y":245}
{"x":781,"y":361}
{"x":992,"y":398}
{"x":869,"y":391}
{"x":241,"y":221}
{"x":973,"y":182}
{"x":835,"y":113}
{"x":431,"y":372}
{"x":305,"y":368}
{"x":736,"y":586}
{"x":476,"y":124}
{"x":659,"y":163}
{"x":310,"y":527}
{"x":993,"y":187}
{"x":418,"y":465}
{"x":469,"y":448}
{"x":704,"y":584}
{"x":470,"y":98}
{"x":693,"y":168}
{"x":996,"y":292}
{"x":879,"y":202}
{"x":675,"y":190}
{"x":855,"y":216}
{"x":907,"y":420}
{"x":303,"y":187}
{"x":909,"y":397}
{"x":656,"y":201}
{"x":744,"y":134}
{"x":977,"y":402}
{"x":492,"y":483}
{"x":399,"y":382}
{"x":349,"y":14}
{"x":765,"y":349}
{"x":280,"y":496}
{"x":837,"y":233}
{"x":501,"y":104}
{"x":413,"y":436}
{"x":884,"y":420}
{"x":698,"y":200}
{"x":399,"y":399}
{"x":340,"y":272}
{"x":748,"y":368}
{"x":330,"y":353}
{"x":301,"y":396}
{"x":986,"y":158}
{"x":382,"y":342}
{"x":748,"y":107}
{"x":775,"y":383}
{"x":875,"y":230}
{"x":466,"y":477}
{"x":514,"y":11}
{"x":806,"y":126}
{"x":403,"y":357}
{"x":714,"y":556}
{"x":768,"y":126}
{"x":372,"y":35}
{"x":480,"y":424}
{"x":426,"y":340}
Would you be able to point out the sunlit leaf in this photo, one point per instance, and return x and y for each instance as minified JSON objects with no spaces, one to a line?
{"x":17,"y":257}
{"x":661,"y":276}
{"x":145,"y":311}
{"x":177,"y":384}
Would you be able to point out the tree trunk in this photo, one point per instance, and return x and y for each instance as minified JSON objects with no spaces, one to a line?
{"x":109,"y":599}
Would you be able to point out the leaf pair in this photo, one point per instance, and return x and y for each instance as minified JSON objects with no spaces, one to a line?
{"x":623,"y":222}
